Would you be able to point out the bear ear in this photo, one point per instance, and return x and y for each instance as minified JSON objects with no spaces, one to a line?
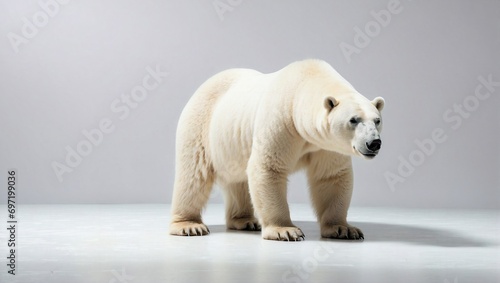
{"x":378,"y":102}
{"x":330,"y":102}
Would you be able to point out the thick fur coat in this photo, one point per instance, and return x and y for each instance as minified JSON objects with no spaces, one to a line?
{"x":247,"y":131}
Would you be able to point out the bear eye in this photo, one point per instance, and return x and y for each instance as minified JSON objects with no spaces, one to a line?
{"x":353,"y":120}
{"x":377,"y":121}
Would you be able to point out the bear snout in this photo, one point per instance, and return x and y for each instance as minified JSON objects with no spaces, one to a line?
{"x":374,"y":145}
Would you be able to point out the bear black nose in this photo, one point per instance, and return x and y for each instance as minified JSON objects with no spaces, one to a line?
{"x":374,"y":145}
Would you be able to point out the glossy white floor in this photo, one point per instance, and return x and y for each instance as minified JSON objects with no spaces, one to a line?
{"x":129,"y":243}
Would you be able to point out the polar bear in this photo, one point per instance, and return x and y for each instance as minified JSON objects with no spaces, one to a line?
{"x":247,"y":131}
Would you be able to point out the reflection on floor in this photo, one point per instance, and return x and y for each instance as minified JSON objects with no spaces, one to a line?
{"x":130,"y":243}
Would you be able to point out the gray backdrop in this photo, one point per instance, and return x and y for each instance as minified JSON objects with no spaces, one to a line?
{"x":70,"y":67}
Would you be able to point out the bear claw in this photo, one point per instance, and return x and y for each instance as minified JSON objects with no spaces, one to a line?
{"x":342,"y":232}
{"x":246,"y":224}
{"x":283,"y":234}
{"x":188,"y":228}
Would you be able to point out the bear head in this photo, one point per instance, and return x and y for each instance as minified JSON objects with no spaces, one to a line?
{"x":354,"y":124}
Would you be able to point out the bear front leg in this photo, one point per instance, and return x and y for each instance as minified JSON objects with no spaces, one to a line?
{"x":268,"y":191}
{"x":239,"y":210}
{"x":331,"y":196}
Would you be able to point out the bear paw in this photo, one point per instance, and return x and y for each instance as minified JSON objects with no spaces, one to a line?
{"x":342,"y":232}
{"x":188,"y":228}
{"x":283,"y":234}
{"x":245,"y":223}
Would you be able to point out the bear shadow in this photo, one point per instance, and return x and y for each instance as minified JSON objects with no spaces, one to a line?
{"x":383,"y":232}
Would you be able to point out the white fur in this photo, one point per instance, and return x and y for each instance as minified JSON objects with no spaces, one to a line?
{"x":248,"y":131}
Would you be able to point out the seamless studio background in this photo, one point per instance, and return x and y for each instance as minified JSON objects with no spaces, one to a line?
{"x":107,"y":81}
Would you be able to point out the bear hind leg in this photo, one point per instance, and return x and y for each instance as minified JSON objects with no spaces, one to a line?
{"x":193,"y":184}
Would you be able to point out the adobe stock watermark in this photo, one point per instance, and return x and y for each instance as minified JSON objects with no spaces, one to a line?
{"x":12,"y":221}
{"x":222,"y":7}
{"x":121,"y":107}
{"x":122,"y":277}
{"x":454,"y":117}
{"x":300,"y":273}
{"x":363,"y":37}
{"x":40,"y":19}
